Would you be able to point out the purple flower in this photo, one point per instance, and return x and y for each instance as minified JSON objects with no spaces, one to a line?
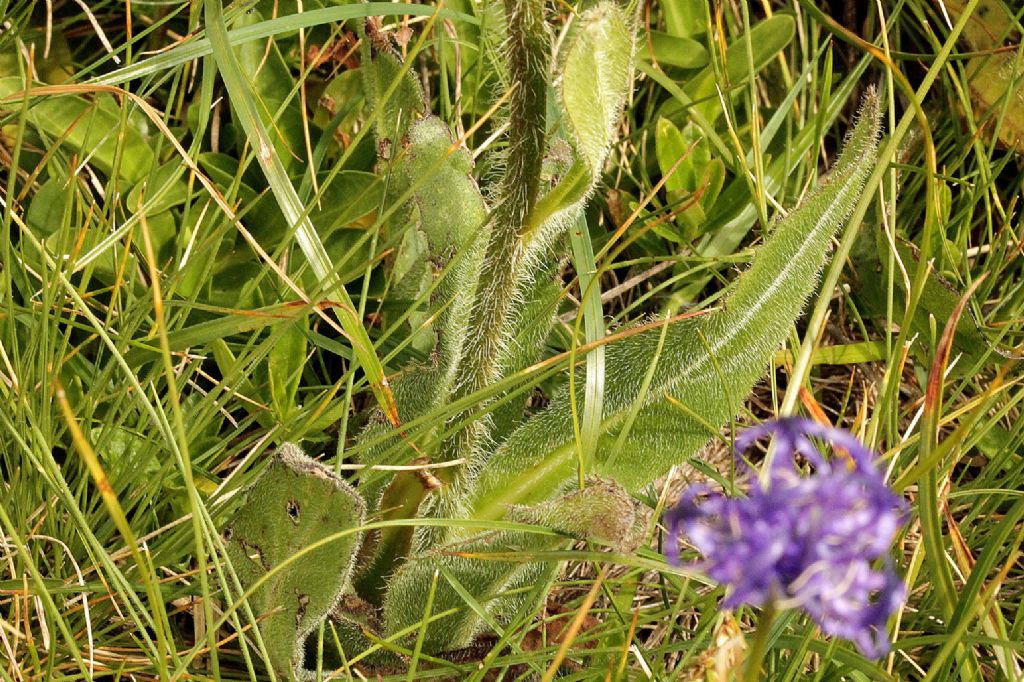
{"x":803,"y":541}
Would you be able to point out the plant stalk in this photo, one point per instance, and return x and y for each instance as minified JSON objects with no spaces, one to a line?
{"x":752,"y":669}
{"x":527,"y":54}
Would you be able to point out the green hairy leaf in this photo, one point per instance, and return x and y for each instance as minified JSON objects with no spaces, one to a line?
{"x":296,"y":503}
{"x":449,"y":211}
{"x":595,"y":81}
{"x":444,"y":218}
{"x":602,"y":511}
{"x":392,"y":92}
{"x":448,"y":217}
{"x":670,"y":50}
{"x":707,"y":364}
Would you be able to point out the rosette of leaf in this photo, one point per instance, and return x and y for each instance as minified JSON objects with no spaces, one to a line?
{"x":706,"y":364}
{"x":490,"y":305}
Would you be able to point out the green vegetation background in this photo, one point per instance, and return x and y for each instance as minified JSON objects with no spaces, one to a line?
{"x":162,"y":331}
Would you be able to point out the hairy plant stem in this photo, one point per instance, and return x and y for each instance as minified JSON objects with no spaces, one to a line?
{"x":527,"y":53}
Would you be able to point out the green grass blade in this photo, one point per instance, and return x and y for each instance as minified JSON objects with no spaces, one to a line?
{"x":201,"y":47}
{"x":240,"y":92}
{"x":588,"y":429}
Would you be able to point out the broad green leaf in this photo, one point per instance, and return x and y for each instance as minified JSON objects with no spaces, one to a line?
{"x":767,"y":39}
{"x":294,"y":504}
{"x":46,"y":211}
{"x":695,"y":171}
{"x":169,"y":174}
{"x":688,"y":144}
{"x":683,"y":18}
{"x":670,"y":50}
{"x":669,"y":147}
{"x":350,"y":196}
{"x":707,"y":364}
{"x":342,"y":95}
{"x":223,"y":170}
{"x":92,"y":128}
{"x":230,"y":367}
{"x":163,"y":228}
{"x":347,"y":207}
{"x":285,"y":361}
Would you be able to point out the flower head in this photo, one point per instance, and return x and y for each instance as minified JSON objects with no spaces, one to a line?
{"x":803,"y":541}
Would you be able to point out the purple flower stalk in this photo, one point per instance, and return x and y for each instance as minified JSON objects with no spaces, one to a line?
{"x":803,"y":542}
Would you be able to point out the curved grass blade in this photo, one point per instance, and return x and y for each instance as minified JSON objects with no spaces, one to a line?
{"x":240,"y":93}
{"x":201,"y":47}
